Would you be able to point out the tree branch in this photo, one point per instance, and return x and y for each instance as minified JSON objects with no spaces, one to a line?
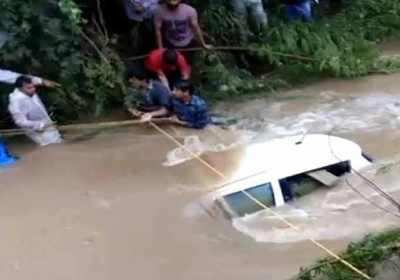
{"x":96,"y":48}
{"x":101,"y":18}
{"x":97,"y":26}
{"x":232,"y":48}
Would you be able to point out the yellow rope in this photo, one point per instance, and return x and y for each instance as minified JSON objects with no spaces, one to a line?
{"x":312,"y":240}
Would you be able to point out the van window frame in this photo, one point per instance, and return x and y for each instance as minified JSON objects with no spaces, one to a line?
{"x":322,"y":168}
{"x":276,"y":196}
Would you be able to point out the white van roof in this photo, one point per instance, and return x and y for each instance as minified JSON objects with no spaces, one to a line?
{"x":283,"y":157}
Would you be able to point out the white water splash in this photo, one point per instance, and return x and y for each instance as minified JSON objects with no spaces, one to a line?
{"x":330,"y":214}
{"x":289,"y":235}
{"x":214,"y":139}
{"x":371,"y":112}
{"x":335,"y":214}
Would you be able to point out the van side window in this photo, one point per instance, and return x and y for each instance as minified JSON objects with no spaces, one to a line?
{"x":297,"y":186}
{"x":242,"y":204}
{"x":300,"y":185}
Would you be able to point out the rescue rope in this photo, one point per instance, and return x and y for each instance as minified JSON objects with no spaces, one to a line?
{"x":83,"y":126}
{"x":233,"y":48}
{"x":280,"y":217}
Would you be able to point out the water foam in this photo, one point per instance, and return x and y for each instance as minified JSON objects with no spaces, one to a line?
{"x":340,"y":212}
{"x":212,"y":139}
{"x":329,"y":215}
{"x":371,"y":112}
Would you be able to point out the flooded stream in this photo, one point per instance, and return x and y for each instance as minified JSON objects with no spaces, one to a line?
{"x":122,"y":204}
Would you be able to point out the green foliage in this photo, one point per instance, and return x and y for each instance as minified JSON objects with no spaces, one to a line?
{"x":51,"y":39}
{"x":220,"y":25}
{"x":48,"y":41}
{"x":343,"y":45}
{"x":71,"y":10}
{"x":331,"y":51}
{"x":373,"y":250}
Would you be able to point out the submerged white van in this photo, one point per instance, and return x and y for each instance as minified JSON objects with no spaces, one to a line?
{"x":279,"y":170}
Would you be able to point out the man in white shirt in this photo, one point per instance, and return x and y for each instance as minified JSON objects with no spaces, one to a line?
{"x":29,"y":113}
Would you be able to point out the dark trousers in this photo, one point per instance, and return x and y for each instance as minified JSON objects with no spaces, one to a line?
{"x":142,"y":37}
{"x":302,"y":11}
{"x":190,"y":56}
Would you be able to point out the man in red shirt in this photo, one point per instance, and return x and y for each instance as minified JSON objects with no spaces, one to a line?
{"x":168,"y":65}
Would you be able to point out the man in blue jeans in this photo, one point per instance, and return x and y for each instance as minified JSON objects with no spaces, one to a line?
{"x":295,"y":9}
{"x":187,"y":109}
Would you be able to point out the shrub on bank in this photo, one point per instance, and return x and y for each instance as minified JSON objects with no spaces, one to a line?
{"x":339,"y":45}
{"x":370,"y":254}
{"x":47,"y":39}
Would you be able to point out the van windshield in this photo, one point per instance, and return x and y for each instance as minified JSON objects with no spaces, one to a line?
{"x":242,"y":204}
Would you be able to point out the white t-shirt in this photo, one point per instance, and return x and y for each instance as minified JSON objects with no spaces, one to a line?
{"x":29,"y":113}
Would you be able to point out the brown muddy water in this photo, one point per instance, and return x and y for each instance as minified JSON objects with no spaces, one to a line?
{"x":122,"y":204}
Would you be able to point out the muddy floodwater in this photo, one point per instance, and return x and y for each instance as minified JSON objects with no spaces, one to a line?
{"x":122,"y":204}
